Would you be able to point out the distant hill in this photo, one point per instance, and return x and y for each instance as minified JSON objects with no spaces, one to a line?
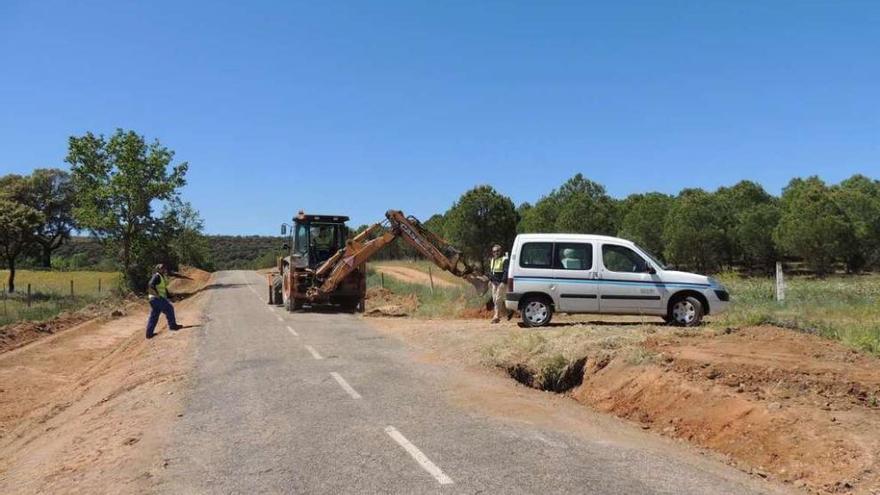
{"x":228,"y":252}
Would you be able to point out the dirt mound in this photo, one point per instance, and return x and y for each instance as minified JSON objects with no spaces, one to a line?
{"x":383,"y":302}
{"x":411,"y":275}
{"x":187,"y":281}
{"x":15,"y":335}
{"x":89,"y":409}
{"x":781,"y":404}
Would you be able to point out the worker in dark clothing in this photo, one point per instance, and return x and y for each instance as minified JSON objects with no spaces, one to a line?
{"x":498,"y":279}
{"x":157,"y":288}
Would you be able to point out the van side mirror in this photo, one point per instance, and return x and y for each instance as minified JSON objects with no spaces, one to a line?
{"x":283,"y":229}
{"x":650,"y":269}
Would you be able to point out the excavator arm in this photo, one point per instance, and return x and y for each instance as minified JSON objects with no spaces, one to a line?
{"x":363,"y":246}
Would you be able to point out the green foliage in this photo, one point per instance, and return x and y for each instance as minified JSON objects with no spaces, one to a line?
{"x":17,"y":224}
{"x":116,"y":181}
{"x":859,"y":199}
{"x":50,"y":191}
{"x":480,"y":218}
{"x":243,"y":252}
{"x":693,"y":233}
{"x":811,"y":225}
{"x":578,"y":206}
{"x":644,"y":216}
{"x":754,"y":235}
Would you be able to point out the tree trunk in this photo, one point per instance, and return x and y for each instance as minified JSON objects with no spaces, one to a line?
{"x":11,"y":282}
{"x":47,"y":256}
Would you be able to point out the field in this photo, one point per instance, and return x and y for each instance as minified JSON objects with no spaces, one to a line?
{"x":846,"y":309}
{"x":842,"y":308}
{"x":50,"y":293}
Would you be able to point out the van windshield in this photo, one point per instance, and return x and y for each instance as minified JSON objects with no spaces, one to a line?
{"x":649,"y":254}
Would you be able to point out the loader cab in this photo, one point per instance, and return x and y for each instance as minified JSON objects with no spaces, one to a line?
{"x":315,"y":238}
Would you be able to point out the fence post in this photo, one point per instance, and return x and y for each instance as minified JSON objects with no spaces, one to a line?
{"x":5,"y":310}
{"x":431,"y":278}
{"x":29,"y":296}
{"x":780,"y":283}
{"x":99,"y":286}
{"x":71,"y":287}
{"x":382,"y":276}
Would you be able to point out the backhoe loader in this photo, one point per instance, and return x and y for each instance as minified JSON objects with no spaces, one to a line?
{"x":324,"y":266}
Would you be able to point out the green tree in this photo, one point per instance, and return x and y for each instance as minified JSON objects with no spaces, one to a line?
{"x":754,"y":235}
{"x":733,"y":202}
{"x":481,"y":217}
{"x":644,"y":218}
{"x":18,"y":223}
{"x":578,"y":206}
{"x":50,"y":191}
{"x":859,"y":199}
{"x":692,"y":233}
{"x":187,"y":241}
{"x":811,"y":225}
{"x":116,"y":181}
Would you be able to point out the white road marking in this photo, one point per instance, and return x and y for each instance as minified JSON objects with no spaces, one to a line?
{"x":279,"y":318}
{"x":345,"y":386}
{"x":419,"y":457}
{"x":292,"y":331}
{"x":549,"y":442}
{"x":313,"y":352}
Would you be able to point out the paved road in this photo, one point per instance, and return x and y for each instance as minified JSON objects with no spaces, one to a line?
{"x":321,"y":403}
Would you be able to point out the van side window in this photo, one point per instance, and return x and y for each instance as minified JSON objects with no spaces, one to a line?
{"x":622,"y":259}
{"x":574,"y":256}
{"x":536,"y":255}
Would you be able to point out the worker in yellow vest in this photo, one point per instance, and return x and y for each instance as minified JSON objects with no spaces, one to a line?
{"x":498,"y":279}
{"x":157,"y":289}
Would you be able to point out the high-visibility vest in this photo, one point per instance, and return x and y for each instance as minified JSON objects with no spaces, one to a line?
{"x":497,"y":264}
{"x":162,"y":287}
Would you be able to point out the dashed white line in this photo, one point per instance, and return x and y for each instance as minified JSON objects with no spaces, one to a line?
{"x":292,"y":331}
{"x":313,"y":352}
{"x":419,"y":457}
{"x":345,"y":386}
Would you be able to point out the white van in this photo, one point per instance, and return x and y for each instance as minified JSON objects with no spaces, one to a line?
{"x":577,"y":273}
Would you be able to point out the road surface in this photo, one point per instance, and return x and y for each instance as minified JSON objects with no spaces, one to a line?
{"x":321,"y":403}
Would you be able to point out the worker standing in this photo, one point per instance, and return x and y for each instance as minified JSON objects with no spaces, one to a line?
{"x":157,"y":288}
{"x":498,"y":278}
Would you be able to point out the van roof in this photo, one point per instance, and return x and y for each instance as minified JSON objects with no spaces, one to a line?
{"x":562,"y":237}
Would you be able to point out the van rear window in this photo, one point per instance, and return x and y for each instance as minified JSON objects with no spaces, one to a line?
{"x":536,"y":255}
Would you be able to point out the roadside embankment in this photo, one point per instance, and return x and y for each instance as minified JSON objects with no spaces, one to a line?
{"x":87,"y":410}
{"x":780,"y":404}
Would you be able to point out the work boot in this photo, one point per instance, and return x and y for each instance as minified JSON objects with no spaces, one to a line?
{"x":175,"y":328}
{"x":495,"y":320}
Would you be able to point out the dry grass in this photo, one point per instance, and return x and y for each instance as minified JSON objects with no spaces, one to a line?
{"x":50,"y":293}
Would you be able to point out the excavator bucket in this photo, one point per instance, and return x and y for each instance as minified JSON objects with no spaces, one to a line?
{"x":480,"y":282}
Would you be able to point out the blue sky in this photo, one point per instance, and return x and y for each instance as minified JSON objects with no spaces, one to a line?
{"x":358,"y":107}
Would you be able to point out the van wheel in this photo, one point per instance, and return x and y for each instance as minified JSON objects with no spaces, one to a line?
{"x":685,"y":312}
{"x":536,"y":311}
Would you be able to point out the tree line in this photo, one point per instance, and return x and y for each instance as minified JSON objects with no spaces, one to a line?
{"x":737,"y":227}
{"x":111,"y":190}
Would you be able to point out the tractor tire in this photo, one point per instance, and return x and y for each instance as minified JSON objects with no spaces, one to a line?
{"x":277,"y":295}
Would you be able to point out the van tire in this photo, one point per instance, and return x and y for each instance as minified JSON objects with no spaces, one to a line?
{"x":536,"y":311}
{"x":685,"y":312}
